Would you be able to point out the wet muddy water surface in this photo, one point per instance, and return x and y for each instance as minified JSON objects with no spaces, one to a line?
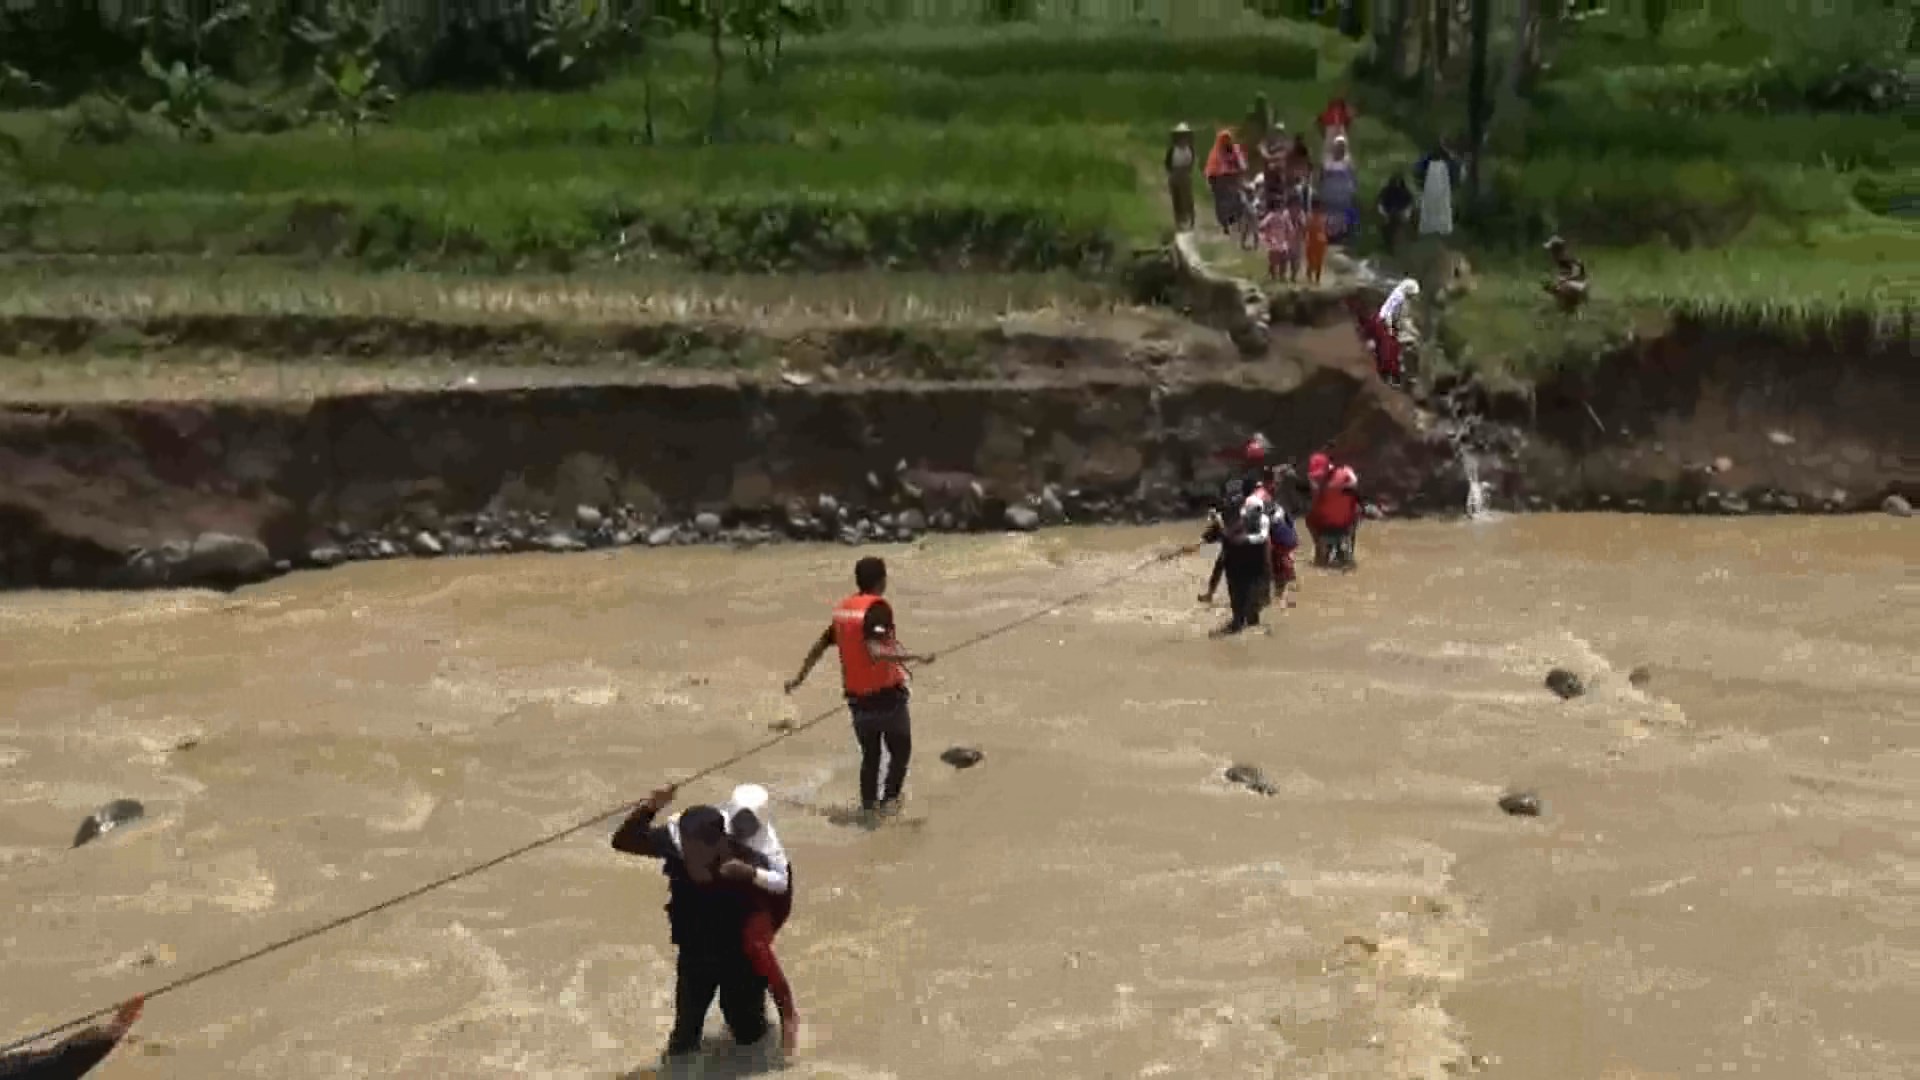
{"x":1725,"y":878}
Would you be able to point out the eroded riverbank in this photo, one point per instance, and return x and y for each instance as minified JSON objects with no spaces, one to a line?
{"x":1722,"y":880}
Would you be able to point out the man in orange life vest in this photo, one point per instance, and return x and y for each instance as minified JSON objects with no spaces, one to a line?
{"x":873,"y":673}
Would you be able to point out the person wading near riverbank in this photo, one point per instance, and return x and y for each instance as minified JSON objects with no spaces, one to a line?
{"x":715,"y":887}
{"x":1251,"y":457}
{"x":1335,"y":515}
{"x":76,"y":1055}
{"x":873,"y":673}
{"x":747,"y":824}
{"x":1243,"y":538}
{"x":1180,"y":162}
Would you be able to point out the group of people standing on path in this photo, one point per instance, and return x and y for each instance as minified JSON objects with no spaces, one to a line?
{"x":1266,"y":189}
{"x":1254,"y":527}
{"x":729,"y":880}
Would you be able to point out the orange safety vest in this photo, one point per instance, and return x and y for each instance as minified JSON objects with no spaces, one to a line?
{"x":860,"y":673}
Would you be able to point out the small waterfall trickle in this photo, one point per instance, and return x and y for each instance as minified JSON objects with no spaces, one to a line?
{"x":1476,"y":487}
{"x":1460,"y":424}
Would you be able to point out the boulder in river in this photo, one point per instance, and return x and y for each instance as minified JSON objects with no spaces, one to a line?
{"x":588,"y":518}
{"x":1639,"y":677}
{"x":1565,"y":684}
{"x":1897,"y":506}
{"x":326,"y":555}
{"x":1022,"y":519}
{"x":1251,"y":778}
{"x":912,"y":520}
{"x":1521,"y":803}
{"x":427,"y":545}
{"x":961,"y":757}
{"x":708,"y":523}
{"x":217,"y":558}
{"x":560,"y":540}
{"x":661,"y":536}
{"x":113,"y":815}
{"x":1052,"y":510}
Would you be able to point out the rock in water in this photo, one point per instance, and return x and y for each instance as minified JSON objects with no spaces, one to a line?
{"x":1251,"y":778}
{"x":426,"y":545}
{"x":109,"y":817}
{"x":1052,"y":510}
{"x":661,"y":536}
{"x":1897,"y":506}
{"x":221,"y":559}
{"x":1521,"y":804}
{"x":1565,"y":683}
{"x":1022,"y":519}
{"x":913,"y":521}
{"x":588,"y":518}
{"x":708,"y":523}
{"x":1639,"y":677}
{"x":961,"y":757}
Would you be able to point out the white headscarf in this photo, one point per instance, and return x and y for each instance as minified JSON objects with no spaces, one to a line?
{"x":1396,"y":300}
{"x":753,"y":798}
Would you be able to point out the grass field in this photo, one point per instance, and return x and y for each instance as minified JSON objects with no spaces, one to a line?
{"x":1026,"y":156}
{"x":771,"y":303}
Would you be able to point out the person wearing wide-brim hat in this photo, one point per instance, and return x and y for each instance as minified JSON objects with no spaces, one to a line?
{"x":1180,"y":162}
{"x":1569,"y":283}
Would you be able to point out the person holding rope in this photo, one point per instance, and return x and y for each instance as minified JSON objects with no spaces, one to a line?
{"x":1253,"y":456}
{"x":873,"y":672}
{"x":76,"y":1055}
{"x":1243,"y":545}
{"x":720,"y":918}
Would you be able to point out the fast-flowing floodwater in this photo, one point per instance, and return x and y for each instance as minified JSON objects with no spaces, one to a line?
{"x":1725,"y":881}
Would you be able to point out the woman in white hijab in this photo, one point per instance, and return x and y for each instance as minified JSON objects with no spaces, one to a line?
{"x":746,"y":814}
{"x":1394,"y":331}
{"x":747,"y":825}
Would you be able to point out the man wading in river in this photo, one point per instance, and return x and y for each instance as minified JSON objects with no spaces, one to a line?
{"x":873,"y":672}
{"x":725,"y":900}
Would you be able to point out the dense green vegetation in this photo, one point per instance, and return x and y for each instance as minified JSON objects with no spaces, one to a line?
{"x":1745,"y":156}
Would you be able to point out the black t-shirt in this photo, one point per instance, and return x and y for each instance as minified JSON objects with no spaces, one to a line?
{"x":877,"y":626}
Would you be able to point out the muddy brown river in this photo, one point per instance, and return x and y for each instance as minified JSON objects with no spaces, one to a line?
{"x":1725,"y":879}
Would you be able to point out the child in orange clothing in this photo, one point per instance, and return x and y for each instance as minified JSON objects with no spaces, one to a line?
{"x":1316,"y":242}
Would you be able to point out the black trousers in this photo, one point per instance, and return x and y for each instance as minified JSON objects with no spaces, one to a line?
{"x":697,"y":977}
{"x":1219,"y":570}
{"x":69,"y":1060}
{"x":1247,"y":588}
{"x":887,"y":726}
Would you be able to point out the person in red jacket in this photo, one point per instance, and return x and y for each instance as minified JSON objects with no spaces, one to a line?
{"x":1335,"y":515}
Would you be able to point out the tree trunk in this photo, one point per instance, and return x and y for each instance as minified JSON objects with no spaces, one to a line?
{"x":1479,"y":108}
{"x":716,"y":46}
{"x":1424,"y":68}
{"x":1397,"y":39}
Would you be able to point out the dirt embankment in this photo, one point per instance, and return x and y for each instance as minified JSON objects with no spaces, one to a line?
{"x":1056,"y":428}
{"x":1726,"y":418}
{"x":165,"y":492}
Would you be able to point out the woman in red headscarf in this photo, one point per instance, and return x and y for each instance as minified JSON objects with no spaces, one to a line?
{"x":1226,"y":177}
{"x":1335,"y":513}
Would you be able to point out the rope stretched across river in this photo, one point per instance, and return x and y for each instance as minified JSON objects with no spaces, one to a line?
{"x":581,"y":826}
